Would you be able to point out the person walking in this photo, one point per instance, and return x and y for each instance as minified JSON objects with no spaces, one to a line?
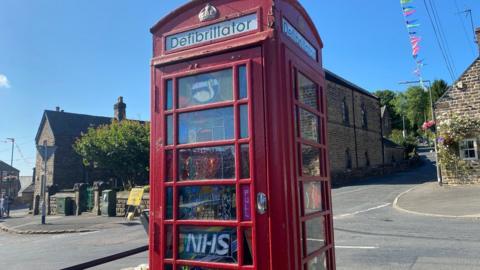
{"x":2,"y":202}
{"x":7,"y":206}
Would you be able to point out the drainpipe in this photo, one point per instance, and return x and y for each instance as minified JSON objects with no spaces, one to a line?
{"x":354,"y":128}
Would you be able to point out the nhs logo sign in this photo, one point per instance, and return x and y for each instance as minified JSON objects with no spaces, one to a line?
{"x":212,"y":32}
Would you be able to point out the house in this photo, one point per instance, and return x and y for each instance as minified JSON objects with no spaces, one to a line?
{"x":354,"y":129}
{"x":65,"y":167}
{"x":459,"y":109}
{"x":386,"y":121}
{"x":9,"y":180}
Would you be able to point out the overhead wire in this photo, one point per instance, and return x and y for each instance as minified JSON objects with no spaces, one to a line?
{"x":470,"y":44}
{"x":449,"y":68}
{"x":438,"y":22}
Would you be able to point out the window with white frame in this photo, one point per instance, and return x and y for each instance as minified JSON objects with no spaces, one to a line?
{"x":468,"y":149}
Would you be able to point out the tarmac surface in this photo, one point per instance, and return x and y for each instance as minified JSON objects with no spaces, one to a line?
{"x":431,"y":199}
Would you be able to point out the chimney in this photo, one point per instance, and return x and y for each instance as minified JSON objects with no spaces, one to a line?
{"x":477,"y":36}
{"x":57,"y":109}
{"x":120,"y":110}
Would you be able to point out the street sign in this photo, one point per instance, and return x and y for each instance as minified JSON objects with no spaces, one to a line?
{"x":135,"y":197}
{"x":46,"y":153}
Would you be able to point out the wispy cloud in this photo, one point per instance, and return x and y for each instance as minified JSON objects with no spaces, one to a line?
{"x":4,"y":83}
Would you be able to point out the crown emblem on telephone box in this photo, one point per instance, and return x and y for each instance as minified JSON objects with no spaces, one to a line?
{"x":209,"y":12}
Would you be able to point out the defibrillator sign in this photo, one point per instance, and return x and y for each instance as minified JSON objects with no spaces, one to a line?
{"x":135,"y":197}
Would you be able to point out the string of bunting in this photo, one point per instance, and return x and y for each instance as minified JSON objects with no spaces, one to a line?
{"x":412,"y":25}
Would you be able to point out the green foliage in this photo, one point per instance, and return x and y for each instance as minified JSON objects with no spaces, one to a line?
{"x":439,"y":87}
{"x":417,"y":106}
{"x":386,"y":97}
{"x":121,"y":147}
{"x":409,"y":142}
{"x":451,"y":133}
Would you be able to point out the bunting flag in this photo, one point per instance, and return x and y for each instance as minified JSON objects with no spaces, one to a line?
{"x":412,"y":25}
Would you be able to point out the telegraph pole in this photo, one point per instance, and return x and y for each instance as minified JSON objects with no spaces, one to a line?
{"x":439,"y":175}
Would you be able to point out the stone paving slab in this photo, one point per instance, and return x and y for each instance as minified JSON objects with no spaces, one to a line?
{"x":432,"y":199}
{"x":28,"y":224}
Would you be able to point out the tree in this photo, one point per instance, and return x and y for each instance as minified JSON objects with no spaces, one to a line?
{"x":417,"y":106}
{"x":439,"y":87}
{"x":121,"y":147}
{"x":387,"y":98}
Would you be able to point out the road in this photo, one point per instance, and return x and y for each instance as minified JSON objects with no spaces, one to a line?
{"x":44,"y":252}
{"x":371,"y":234}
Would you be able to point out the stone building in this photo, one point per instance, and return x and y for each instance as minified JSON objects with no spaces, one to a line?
{"x":9,"y":180}
{"x":64,"y":166}
{"x":354,"y":129}
{"x":386,"y":122}
{"x":462,"y":99}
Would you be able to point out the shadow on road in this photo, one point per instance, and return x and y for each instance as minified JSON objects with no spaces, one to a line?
{"x":426,"y":172}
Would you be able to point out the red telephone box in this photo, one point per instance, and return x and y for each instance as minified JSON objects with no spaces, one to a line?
{"x":239,"y":164}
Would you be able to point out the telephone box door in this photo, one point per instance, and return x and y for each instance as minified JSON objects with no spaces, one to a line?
{"x":209,"y":119}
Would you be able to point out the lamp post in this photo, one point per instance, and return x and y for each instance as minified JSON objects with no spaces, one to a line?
{"x":439,"y":175}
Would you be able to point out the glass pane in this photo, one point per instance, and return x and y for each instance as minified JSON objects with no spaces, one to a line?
{"x":168,"y":241}
{"x":471,"y":153}
{"x":169,"y":129}
{"x":308,"y":126}
{"x":310,"y":161}
{"x":205,"y":88}
{"x":168,"y":95}
{"x":207,"y":163}
{"x":246,"y":203}
{"x":470,"y":144}
{"x":242,"y":82}
{"x":307,"y":91}
{"x":312,"y":197}
{"x":247,"y":247}
{"x":168,"y":267}
{"x":207,"y":125}
{"x":210,"y":244}
{"x":169,"y":165}
{"x":207,"y":202}
{"x":169,"y":203}
{"x":317,"y":263}
{"x":244,"y":161}
{"x":243,"y":121}
{"x":315,"y":234}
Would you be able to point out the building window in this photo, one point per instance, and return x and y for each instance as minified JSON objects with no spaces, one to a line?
{"x":364,"y":116}
{"x":468,"y":149}
{"x":348,"y":159}
{"x":345,"y":116}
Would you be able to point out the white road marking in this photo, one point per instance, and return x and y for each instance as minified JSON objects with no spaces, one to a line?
{"x":361,"y":211}
{"x":356,"y":247}
{"x":348,"y":191}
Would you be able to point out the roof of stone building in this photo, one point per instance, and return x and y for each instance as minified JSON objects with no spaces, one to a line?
{"x":383,"y":110}
{"x":332,"y":77}
{"x":4,"y":167}
{"x":450,"y":88}
{"x":70,"y":124}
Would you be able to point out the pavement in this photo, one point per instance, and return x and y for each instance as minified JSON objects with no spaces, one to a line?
{"x":431,"y":199}
{"x":21,"y":222}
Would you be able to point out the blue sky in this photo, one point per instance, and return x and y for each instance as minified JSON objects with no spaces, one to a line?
{"x":81,"y":55}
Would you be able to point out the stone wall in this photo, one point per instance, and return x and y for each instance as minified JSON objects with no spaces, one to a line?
{"x":122,"y":198}
{"x":462,"y":99}
{"x":353,"y":148}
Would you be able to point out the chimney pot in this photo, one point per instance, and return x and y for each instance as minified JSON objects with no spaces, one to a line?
{"x":120,"y":112}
